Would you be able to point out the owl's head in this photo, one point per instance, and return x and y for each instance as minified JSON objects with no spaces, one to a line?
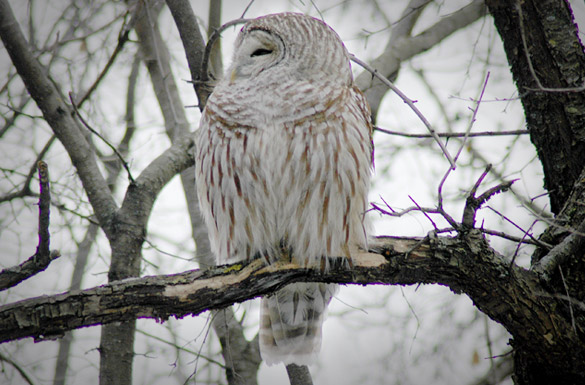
{"x":289,"y":45}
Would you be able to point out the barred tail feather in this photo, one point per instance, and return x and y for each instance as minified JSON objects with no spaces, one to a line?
{"x":291,"y":321}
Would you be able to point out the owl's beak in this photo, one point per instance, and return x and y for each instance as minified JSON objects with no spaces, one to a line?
{"x":233,"y":76}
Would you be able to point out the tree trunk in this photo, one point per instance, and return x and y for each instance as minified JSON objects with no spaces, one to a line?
{"x":555,"y":60}
{"x":548,"y":65}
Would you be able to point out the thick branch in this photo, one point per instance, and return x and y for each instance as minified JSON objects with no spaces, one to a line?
{"x":399,"y":50}
{"x":509,"y":295}
{"x":192,"y":42}
{"x":545,"y":51}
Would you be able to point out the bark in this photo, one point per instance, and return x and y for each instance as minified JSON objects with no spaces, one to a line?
{"x":556,"y":120}
{"x":114,"y":168}
{"x":299,"y":375}
{"x":193,"y":43}
{"x":508,"y":294}
{"x":547,"y":61}
{"x":117,"y":340}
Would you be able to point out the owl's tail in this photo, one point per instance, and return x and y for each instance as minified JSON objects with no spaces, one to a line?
{"x":290,"y":323}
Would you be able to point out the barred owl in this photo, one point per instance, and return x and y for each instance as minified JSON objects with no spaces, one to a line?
{"x":283,"y":162}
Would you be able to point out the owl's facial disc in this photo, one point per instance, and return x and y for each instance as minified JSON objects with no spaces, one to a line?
{"x":258,"y":51}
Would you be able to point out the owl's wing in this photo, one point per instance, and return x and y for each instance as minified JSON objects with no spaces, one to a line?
{"x":291,"y":321}
{"x":325,"y":211}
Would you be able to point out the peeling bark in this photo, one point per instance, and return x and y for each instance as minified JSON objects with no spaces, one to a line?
{"x":508,"y":294}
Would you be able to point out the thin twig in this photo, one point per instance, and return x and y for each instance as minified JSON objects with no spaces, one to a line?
{"x":214,"y":36}
{"x":409,"y":102}
{"x":394,"y":213}
{"x":453,"y":134}
{"x":247,"y":8}
{"x":469,"y":126}
{"x":114,"y":149}
{"x":18,"y":368}
{"x":424,"y":213}
{"x":517,"y":250}
{"x":25,"y":190}
{"x":473,"y":116}
{"x":122,"y":39}
{"x":537,"y":241}
{"x":513,"y":238}
{"x":181,"y":348}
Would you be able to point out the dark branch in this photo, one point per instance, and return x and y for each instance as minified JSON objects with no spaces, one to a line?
{"x":453,"y":134}
{"x":193,"y":44}
{"x":569,"y":247}
{"x":465,"y":263}
{"x":299,"y":374}
{"x":12,"y":276}
{"x":473,"y":203}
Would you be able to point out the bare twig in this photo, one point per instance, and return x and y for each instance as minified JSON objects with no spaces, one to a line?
{"x":453,"y":134}
{"x":473,"y":203}
{"x":18,"y":368}
{"x":93,"y":131}
{"x":424,"y":213}
{"x":409,"y":102}
{"x":25,"y":190}
{"x":182,"y":348}
{"x":537,"y":241}
{"x":247,"y":8}
{"x":469,"y":126}
{"x":513,"y":238}
{"x":473,"y":116}
{"x":394,"y":213}
{"x":122,"y":39}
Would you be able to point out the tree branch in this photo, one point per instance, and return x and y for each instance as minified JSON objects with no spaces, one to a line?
{"x":193,"y":43}
{"x":59,"y":116}
{"x":569,"y":247}
{"x":399,"y":50}
{"x":25,"y":190}
{"x":12,"y":276}
{"x":511,"y":296}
